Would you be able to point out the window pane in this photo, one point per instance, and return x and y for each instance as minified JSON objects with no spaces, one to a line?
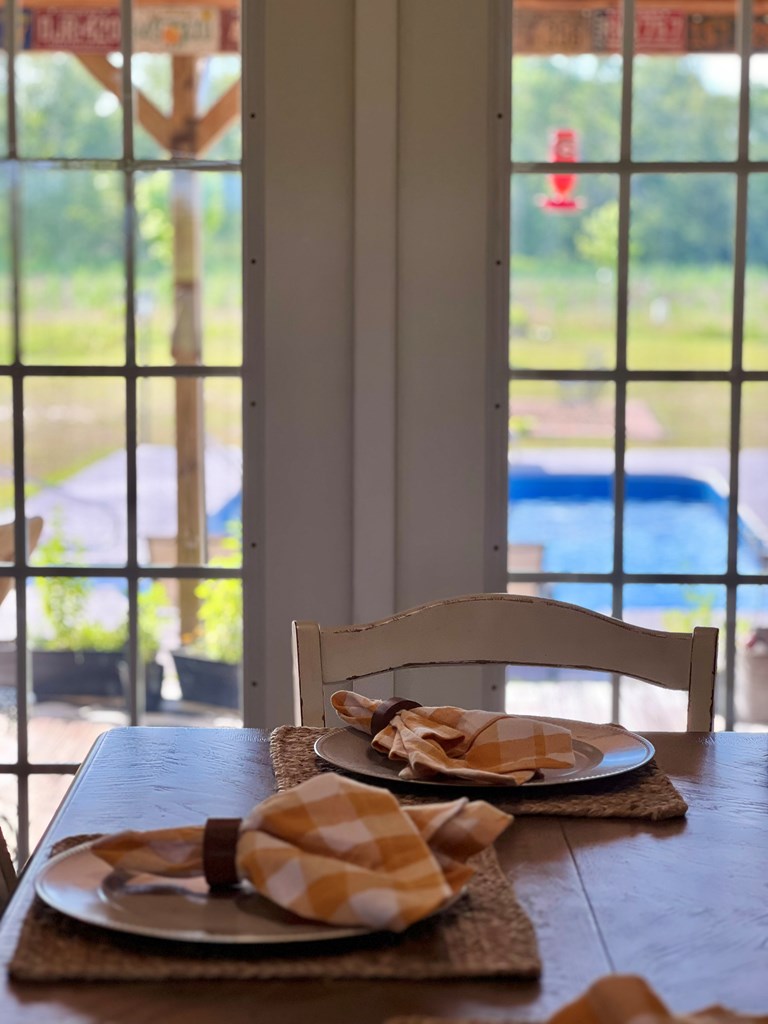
{"x":45,"y":794}
{"x":151,"y":77}
{"x":756,"y":284}
{"x":8,"y":676}
{"x":63,"y":109}
{"x":78,"y":635}
{"x":565,"y":693}
{"x":197,"y":682}
{"x":644,"y":707}
{"x":674,"y":607}
{"x":758,"y":91}
{"x":580,"y":92}
{"x":6,"y":451}
{"x":188,"y":298}
{"x":9,"y":812}
{"x":3,"y":93}
{"x":676,"y":516}
{"x":6,"y":309}
{"x":563,"y":275}
{"x":681,"y":273}
{"x":73,"y":276}
{"x":186,"y":71}
{"x":753,"y":479}
{"x":561,"y":475}
{"x":208,"y":661}
{"x":182,"y":412}
{"x":222,"y":85}
{"x":685,"y":108}
{"x":76,"y":468}
{"x":752,"y":658}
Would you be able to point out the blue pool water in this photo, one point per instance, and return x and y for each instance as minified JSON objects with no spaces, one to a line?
{"x":672,"y":524}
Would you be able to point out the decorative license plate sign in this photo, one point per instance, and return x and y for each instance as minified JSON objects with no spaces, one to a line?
{"x":191,"y":30}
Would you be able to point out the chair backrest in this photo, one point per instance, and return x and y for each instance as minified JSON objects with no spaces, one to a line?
{"x":7,"y":874}
{"x":507,"y":629}
{"x":8,"y":547}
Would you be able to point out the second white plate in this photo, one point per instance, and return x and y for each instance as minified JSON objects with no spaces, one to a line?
{"x":601,"y":751}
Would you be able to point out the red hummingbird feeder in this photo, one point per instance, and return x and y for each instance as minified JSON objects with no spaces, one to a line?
{"x":563,"y":148}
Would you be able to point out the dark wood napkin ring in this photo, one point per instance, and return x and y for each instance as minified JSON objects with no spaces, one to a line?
{"x":387,"y":710}
{"x":219,"y":846}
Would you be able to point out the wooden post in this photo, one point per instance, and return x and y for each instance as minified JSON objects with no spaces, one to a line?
{"x":187,"y":341}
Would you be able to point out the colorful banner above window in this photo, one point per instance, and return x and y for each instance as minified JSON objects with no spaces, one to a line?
{"x":548,"y":29}
{"x":180,"y":30}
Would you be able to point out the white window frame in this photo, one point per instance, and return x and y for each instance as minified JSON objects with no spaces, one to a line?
{"x":741,"y":167}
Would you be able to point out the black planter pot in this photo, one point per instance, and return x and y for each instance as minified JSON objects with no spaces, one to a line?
{"x":208,"y":682}
{"x":58,"y":675}
{"x":63,"y":675}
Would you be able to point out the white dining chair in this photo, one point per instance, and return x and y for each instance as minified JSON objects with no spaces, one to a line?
{"x":508,"y":629}
{"x":7,"y":874}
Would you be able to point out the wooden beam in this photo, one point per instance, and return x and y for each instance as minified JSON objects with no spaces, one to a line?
{"x":104,"y":72}
{"x":212,"y":125}
{"x":187,"y":339}
{"x":184,"y":121}
{"x":151,"y":119}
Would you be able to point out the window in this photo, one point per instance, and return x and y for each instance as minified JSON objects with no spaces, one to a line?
{"x":638,"y":358}
{"x":121,"y":379}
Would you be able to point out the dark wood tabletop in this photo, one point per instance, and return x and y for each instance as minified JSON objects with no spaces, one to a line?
{"x":683,"y":903}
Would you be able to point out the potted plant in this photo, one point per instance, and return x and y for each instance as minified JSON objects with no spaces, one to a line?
{"x":76,"y":655}
{"x":209,"y":668}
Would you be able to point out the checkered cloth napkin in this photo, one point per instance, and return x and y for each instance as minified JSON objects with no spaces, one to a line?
{"x":615,"y":999}
{"x":333,"y":850}
{"x":627,"y":999}
{"x":480,"y":746}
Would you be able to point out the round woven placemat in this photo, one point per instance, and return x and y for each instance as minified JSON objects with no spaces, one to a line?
{"x":644,"y":793}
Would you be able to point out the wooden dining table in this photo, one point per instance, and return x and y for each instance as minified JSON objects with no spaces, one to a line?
{"x":683,"y":903}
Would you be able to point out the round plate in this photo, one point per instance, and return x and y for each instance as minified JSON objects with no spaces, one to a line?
{"x":601,"y":751}
{"x":81,"y":885}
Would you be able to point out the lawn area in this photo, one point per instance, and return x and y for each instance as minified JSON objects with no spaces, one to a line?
{"x":72,"y":422}
{"x":564,"y":317}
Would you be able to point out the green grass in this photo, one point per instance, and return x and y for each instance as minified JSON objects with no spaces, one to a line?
{"x":564,"y":317}
{"x":80,"y":322}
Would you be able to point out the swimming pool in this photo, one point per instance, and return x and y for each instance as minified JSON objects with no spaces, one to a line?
{"x":674,"y":524}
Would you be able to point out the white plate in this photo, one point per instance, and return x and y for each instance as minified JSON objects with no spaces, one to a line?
{"x":81,"y":885}
{"x":601,"y":751}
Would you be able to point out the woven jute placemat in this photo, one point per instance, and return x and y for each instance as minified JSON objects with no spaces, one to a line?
{"x":486,"y":933}
{"x":644,"y":793}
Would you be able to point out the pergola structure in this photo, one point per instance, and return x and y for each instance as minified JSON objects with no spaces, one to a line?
{"x":187,"y":32}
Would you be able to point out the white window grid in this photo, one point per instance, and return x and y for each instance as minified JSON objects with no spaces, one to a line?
{"x":621,"y":376}
{"x":252,"y":15}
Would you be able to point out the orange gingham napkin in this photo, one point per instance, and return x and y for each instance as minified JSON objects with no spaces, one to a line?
{"x":627,"y":999}
{"x":617,"y":999}
{"x":480,"y":746}
{"x":334,"y":850}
